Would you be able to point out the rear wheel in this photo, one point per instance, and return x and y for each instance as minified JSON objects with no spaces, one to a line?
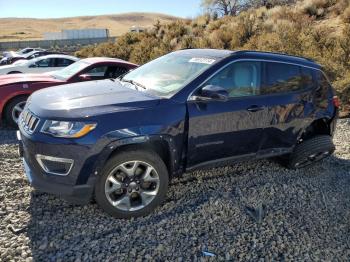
{"x":311,"y":151}
{"x":13,"y":109}
{"x":132,"y":184}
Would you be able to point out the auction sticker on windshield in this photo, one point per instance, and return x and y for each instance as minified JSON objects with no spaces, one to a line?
{"x":202,"y":60}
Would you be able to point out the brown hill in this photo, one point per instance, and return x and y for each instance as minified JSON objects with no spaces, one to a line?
{"x":13,"y":29}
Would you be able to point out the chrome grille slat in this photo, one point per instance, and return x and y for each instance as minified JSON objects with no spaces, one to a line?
{"x":29,"y":121}
{"x":27,"y":116}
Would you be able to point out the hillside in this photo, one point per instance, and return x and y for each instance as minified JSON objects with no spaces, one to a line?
{"x":13,"y":29}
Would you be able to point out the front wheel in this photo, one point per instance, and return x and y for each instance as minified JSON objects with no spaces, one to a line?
{"x":14,"y":109}
{"x":132,"y":184}
{"x":311,"y":151}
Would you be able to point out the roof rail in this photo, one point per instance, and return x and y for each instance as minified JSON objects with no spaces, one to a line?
{"x":274,"y":53}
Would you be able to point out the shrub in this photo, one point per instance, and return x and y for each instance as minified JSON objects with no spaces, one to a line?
{"x":346,"y":15}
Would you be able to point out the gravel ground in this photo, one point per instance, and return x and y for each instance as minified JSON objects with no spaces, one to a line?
{"x":241,"y":212}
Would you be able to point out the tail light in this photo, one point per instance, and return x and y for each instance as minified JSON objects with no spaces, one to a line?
{"x":336,"y":101}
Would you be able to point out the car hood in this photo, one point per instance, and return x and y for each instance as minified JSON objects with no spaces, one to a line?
{"x":26,"y":78}
{"x":81,"y":100}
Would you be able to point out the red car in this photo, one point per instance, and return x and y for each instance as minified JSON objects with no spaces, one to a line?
{"x":15,"y":88}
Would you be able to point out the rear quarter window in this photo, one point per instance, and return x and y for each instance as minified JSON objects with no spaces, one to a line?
{"x":323,"y":91}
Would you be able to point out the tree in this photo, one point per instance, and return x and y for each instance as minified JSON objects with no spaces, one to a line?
{"x":234,"y":7}
{"x":224,"y":7}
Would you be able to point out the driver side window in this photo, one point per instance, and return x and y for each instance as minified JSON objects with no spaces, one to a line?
{"x":239,"y":79}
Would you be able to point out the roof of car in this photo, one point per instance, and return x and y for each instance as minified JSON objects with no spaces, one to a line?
{"x":219,"y":53}
{"x":93,"y":60}
{"x":214,"y":53}
{"x":58,"y":56}
{"x":277,"y":57}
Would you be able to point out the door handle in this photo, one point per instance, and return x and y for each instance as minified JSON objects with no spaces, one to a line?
{"x":255,"y":108}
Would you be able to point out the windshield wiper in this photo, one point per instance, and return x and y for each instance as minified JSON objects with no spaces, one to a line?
{"x":133,"y":83}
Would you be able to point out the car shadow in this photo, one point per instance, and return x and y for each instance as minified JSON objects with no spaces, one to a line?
{"x":58,"y":230}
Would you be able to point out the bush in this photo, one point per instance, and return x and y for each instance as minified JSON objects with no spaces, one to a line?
{"x":346,"y":15}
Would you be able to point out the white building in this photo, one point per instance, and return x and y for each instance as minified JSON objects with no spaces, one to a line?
{"x":77,"y":34}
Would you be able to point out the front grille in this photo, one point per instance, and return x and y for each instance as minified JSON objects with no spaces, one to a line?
{"x":29,"y":121}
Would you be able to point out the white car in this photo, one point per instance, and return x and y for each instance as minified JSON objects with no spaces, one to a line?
{"x":21,"y":52}
{"x":39,"y":65}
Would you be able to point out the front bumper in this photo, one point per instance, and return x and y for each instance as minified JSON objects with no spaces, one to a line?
{"x":76,"y":194}
{"x":79,"y":194}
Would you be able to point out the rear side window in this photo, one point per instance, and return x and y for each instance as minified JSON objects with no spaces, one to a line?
{"x":116,"y":71}
{"x":62,"y":62}
{"x":283,"y":78}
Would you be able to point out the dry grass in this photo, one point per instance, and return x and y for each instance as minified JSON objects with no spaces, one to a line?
{"x":13,"y":29}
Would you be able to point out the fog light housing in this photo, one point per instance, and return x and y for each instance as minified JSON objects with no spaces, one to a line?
{"x":55,"y":165}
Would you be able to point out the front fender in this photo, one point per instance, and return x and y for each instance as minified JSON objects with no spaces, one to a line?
{"x":98,"y":162}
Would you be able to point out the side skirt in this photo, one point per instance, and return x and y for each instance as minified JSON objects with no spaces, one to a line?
{"x":236,"y":159}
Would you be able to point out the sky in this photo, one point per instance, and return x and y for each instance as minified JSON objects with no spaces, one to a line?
{"x":68,"y":8}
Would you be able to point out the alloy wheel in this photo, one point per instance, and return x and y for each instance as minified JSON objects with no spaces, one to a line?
{"x":132,"y":185}
{"x":17,"y":110}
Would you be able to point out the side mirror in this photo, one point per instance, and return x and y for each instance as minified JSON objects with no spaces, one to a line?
{"x":85,"y":77}
{"x":214,"y":92}
{"x":33,"y":66}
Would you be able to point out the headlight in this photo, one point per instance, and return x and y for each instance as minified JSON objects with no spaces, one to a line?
{"x":67,"y":129}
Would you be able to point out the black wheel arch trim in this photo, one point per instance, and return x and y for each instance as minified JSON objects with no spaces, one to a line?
{"x":143,"y":142}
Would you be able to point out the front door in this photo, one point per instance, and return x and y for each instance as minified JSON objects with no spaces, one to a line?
{"x":231,"y":128}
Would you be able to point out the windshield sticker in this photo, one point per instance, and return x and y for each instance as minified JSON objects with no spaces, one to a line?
{"x":202,"y":60}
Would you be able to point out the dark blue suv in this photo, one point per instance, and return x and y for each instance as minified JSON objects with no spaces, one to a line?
{"x":122,"y":140}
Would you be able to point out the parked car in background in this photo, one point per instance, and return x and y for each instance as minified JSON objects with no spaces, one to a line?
{"x":39,"y":65}
{"x":24,"y":51}
{"x":31,"y":55}
{"x":122,"y":141}
{"x":15,"y":88}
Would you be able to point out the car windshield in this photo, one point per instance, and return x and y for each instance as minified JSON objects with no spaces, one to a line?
{"x":70,"y":70}
{"x":168,"y":74}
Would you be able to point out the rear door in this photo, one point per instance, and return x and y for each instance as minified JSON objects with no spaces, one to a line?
{"x":287,"y":91}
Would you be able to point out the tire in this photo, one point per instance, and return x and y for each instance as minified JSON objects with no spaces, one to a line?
{"x":12,"y":110}
{"x":127,"y":201}
{"x":311,"y":151}
{"x":14,"y":72}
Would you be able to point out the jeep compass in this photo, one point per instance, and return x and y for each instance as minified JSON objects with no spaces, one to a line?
{"x":121,"y":140}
